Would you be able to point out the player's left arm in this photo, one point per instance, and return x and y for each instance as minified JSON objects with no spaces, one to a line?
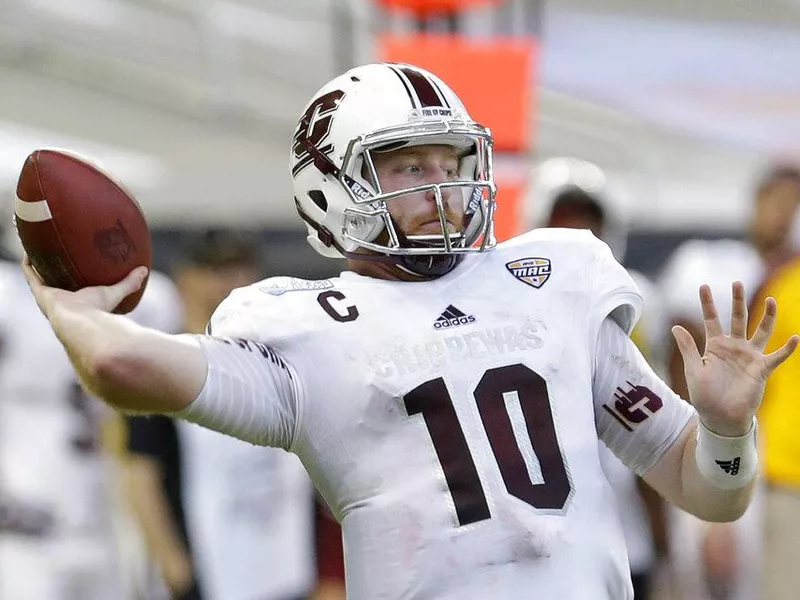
{"x":713,"y":466}
{"x":703,"y":460}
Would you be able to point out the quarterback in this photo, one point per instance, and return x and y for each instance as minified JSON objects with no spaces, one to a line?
{"x":445,"y":394}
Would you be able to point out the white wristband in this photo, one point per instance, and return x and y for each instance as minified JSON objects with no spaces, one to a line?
{"x":727,"y":462}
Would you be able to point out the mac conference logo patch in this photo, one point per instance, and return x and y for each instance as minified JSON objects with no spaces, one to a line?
{"x":534,"y":271}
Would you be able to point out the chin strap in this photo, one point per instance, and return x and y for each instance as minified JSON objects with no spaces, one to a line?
{"x":429,"y":265}
{"x":423,"y":265}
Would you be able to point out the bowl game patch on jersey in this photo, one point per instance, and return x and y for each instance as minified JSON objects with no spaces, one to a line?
{"x":280,"y":285}
{"x":533,"y":271}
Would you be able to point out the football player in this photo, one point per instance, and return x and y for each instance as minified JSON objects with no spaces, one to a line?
{"x":445,"y":394}
{"x":59,"y":510}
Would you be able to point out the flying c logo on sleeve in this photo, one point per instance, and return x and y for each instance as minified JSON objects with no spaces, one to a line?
{"x":633,"y":406}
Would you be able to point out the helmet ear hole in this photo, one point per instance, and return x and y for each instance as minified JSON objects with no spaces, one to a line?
{"x":318,"y":198}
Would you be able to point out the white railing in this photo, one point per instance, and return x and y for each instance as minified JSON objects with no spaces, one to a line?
{"x":260,"y":60}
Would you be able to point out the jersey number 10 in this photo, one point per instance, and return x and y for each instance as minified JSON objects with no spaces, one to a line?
{"x":433,"y":401}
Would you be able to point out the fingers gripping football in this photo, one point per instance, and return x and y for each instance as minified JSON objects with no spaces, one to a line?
{"x":106,"y":298}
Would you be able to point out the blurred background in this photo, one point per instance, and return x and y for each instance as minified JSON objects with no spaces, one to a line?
{"x":672,"y":112}
{"x":192,"y":103}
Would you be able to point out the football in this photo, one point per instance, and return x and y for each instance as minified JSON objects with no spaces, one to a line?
{"x":79,"y":226}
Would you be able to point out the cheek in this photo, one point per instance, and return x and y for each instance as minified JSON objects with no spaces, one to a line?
{"x":391,"y":182}
{"x":775,"y":219}
{"x":788,"y":209}
{"x":777,"y":210}
{"x":398,"y":210}
{"x":456,"y":202}
{"x":407,"y":206}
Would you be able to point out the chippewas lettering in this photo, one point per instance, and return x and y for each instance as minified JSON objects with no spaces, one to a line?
{"x":402,"y":358}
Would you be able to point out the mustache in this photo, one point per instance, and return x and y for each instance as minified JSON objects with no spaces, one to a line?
{"x":450,"y":219}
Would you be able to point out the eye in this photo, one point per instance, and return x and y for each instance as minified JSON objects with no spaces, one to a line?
{"x":412,"y":168}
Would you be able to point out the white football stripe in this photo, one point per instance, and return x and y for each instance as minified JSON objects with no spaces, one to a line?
{"x":33,"y":212}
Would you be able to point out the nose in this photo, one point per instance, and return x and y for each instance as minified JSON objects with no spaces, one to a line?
{"x":439,"y":176}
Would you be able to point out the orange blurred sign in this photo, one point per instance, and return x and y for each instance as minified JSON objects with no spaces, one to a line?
{"x":494,"y":78}
{"x":508,"y":216}
{"x":434,"y":6}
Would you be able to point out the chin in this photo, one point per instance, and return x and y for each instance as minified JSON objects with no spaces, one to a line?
{"x":434,"y":229}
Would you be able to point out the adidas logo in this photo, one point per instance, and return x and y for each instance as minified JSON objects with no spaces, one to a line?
{"x":452,"y":317}
{"x":731,"y":467}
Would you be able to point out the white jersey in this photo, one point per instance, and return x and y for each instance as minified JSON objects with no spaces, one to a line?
{"x":250,"y":516}
{"x":52,"y":460}
{"x":452,"y":426}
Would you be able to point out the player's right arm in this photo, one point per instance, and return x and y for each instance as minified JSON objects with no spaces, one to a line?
{"x":131,"y":367}
{"x":230,"y":384}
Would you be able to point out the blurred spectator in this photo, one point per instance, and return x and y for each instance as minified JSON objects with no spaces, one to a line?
{"x":724,"y":560}
{"x":640,"y":508}
{"x":776,"y":200}
{"x":779,"y":423}
{"x":57,"y":495}
{"x":247,"y":509}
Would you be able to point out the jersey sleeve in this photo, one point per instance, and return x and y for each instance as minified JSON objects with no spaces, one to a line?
{"x":613,"y":292}
{"x":250,"y":392}
{"x":638,"y":416}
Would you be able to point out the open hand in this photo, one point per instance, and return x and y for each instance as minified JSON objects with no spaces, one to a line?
{"x":726,"y":384}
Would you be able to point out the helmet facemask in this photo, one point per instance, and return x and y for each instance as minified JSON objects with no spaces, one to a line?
{"x":368,"y":226}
